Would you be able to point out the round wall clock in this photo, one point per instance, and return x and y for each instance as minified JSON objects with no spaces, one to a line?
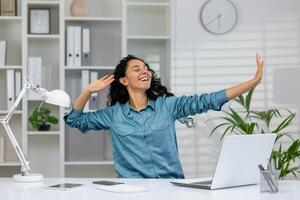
{"x":218,"y":16}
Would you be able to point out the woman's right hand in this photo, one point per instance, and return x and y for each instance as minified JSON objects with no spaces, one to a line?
{"x":100,"y":84}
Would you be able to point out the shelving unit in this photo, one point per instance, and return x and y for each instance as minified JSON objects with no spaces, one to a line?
{"x":117,"y":28}
{"x":11,"y":31}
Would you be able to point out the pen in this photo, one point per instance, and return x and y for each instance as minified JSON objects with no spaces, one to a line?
{"x":268,"y":179}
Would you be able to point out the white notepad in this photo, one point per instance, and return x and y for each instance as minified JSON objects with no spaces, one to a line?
{"x":122,"y":188}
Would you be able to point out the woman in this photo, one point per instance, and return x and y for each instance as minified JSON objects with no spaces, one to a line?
{"x":141,"y":117}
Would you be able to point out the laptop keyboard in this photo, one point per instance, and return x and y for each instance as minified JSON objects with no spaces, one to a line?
{"x":202,"y":182}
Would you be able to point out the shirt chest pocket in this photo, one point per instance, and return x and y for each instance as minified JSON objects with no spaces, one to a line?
{"x":160,"y":133}
{"x":124,"y":131}
{"x":128,"y":138}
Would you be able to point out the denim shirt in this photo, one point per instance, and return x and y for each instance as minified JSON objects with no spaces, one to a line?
{"x":144,"y":142}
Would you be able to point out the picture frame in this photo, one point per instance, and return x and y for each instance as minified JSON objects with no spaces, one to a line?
{"x":39,"y":20}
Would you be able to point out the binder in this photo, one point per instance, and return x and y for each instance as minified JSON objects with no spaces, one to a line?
{"x":35,"y":74}
{"x":18,"y":79}
{"x":70,"y":46}
{"x":85,"y":57}
{"x":77,"y":46}
{"x":1,"y":149}
{"x":10,"y":88}
{"x":94,"y":77}
{"x":84,"y":82}
{"x":94,"y":97}
{"x":18,"y":86}
{"x":2,"y":53}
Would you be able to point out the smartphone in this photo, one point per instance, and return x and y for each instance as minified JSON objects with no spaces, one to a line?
{"x":64,"y":186}
{"x":107,"y":182}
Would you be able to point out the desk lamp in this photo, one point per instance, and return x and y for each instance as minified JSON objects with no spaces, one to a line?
{"x":56,"y":97}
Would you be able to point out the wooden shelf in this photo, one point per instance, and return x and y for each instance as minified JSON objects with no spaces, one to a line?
{"x":43,"y":133}
{"x":94,"y":19}
{"x":16,"y":112}
{"x":158,"y":4}
{"x":11,"y":67}
{"x":90,"y":68}
{"x":10,"y":18}
{"x":46,"y":36}
{"x":140,"y":37}
{"x":43,"y":3}
{"x":9,"y":164}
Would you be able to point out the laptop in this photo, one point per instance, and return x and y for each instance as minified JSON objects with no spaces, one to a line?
{"x":238,"y":162}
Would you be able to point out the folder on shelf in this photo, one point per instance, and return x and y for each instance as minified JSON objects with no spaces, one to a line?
{"x":1,"y":149}
{"x":84,"y":82}
{"x":2,"y":52}
{"x":10,"y":88}
{"x":94,"y":77}
{"x":18,"y":79}
{"x":77,"y":46}
{"x":94,"y":98}
{"x":70,"y":46}
{"x":35,"y":74}
{"x":85,"y":57}
{"x":18,"y":85}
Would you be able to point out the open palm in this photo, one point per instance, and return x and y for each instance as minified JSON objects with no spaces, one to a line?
{"x":100,"y":84}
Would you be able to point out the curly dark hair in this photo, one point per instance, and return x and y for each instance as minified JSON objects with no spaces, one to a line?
{"x":119,"y":93}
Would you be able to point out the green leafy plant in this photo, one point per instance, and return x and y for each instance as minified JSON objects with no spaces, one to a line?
{"x":249,"y":121}
{"x":41,"y":119}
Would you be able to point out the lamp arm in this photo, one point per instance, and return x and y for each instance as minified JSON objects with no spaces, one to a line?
{"x":27,"y":85}
{"x":24,"y":163}
{"x":5,"y":121}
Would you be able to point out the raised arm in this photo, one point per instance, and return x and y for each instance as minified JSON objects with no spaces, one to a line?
{"x":244,"y":87}
{"x":95,"y":86}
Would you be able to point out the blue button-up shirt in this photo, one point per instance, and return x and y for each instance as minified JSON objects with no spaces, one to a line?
{"x":144,"y":142}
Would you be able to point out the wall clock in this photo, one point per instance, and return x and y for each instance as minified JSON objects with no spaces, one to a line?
{"x":218,"y":16}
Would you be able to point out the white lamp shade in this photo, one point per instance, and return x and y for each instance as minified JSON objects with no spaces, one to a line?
{"x":58,"y":97}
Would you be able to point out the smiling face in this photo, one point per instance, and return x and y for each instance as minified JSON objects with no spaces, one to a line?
{"x":137,"y":76}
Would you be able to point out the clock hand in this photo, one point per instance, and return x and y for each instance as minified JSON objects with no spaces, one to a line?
{"x":212,"y":20}
{"x":219,"y":21}
{"x":217,"y":17}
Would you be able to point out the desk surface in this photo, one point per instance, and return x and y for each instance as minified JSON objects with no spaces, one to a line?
{"x":158,"y":189}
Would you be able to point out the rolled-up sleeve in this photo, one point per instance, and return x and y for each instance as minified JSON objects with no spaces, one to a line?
{"x":97,"y":120}
{"x":190,"y":105}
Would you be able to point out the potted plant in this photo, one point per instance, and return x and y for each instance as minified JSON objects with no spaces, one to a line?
{"x":41,"y":119}
{"x":248,"y":121}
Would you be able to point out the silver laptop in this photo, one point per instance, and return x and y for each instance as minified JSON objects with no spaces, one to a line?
{"x":238,"y":162}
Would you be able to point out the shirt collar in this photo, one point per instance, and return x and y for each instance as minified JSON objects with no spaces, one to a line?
{"x":127,"y":108}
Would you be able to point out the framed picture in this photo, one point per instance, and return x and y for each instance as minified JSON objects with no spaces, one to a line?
{"x":39,"y":20}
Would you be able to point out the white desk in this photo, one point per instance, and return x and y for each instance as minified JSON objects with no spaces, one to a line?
{"x":158,"y":189}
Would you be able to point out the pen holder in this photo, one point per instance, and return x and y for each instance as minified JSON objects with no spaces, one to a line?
{"x":269,"y":181}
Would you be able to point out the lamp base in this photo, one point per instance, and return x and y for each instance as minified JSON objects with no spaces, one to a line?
{"x":28,"y":178}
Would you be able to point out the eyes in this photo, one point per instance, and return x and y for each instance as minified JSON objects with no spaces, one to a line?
{"x":138,"y":68}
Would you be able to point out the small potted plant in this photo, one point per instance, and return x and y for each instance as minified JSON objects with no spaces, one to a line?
{"x":41,"y":119}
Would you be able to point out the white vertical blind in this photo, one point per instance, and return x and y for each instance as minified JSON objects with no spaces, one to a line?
{"x":207,"y":63}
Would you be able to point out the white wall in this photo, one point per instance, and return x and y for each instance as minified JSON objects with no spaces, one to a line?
{"x":202,"y":62}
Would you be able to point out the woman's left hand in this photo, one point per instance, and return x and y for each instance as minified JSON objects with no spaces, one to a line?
{"x":260,"y":69}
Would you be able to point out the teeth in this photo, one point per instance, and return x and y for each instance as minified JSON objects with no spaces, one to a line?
{"x":144,"y":79}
